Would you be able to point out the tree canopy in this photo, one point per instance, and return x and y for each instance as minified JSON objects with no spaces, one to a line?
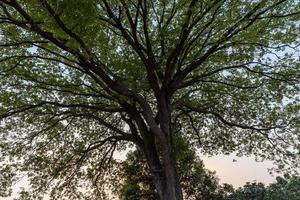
{"x":82,"y":79}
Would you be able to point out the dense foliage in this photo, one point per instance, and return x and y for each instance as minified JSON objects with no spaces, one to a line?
{"x":82,"y":79}
{"x":283,"y":189}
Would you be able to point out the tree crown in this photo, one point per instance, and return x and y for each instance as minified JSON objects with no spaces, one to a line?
{"x":81,"y":79}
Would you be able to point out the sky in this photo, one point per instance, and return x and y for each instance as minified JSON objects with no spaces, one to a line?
{"x":239,"y":170}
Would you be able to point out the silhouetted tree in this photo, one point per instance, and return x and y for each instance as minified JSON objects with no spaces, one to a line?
{"x":81,"y":79}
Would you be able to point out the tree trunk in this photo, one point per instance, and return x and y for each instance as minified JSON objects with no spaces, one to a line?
{"x":167,"y":183}
{"x":164,"y":173}
{"x":173,"y":188}
{"x":162,"y":160}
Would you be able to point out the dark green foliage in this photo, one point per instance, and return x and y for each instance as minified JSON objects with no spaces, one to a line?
{"x":137,"y":183}
{"x":282,"y":189}
{"x":250,"y":191}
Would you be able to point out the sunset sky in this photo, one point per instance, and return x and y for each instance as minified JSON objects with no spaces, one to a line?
{"x":244,"y":169}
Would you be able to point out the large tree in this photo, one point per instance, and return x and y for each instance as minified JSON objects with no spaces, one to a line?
{"x":81,"y":79}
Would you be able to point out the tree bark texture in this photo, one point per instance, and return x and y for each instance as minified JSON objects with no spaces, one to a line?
{"x":165,"y":176}
{"x":164,"y":169}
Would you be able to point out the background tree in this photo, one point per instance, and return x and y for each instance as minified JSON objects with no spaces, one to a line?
{"x":283,"y":189}
{"x":197,"y":182}
{"x":250,"y":191}
{"x":81,"y":79}
{"x":137,"y":183}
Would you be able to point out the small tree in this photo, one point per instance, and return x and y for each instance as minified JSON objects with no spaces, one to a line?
{"x":81,"y":79}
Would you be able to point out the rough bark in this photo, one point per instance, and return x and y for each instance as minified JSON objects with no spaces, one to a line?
{"x":165,"y":177}
{"x":171,"y":188}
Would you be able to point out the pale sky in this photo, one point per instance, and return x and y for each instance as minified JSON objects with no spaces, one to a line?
{"x":245,"y":169}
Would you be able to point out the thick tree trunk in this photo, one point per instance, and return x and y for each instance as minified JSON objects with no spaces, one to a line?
{"x":164,"y":172}
{"x":173,"y":188}
{"x":154,"y":163}
{"x":167,"y":183}
{"x":162,"y":160}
